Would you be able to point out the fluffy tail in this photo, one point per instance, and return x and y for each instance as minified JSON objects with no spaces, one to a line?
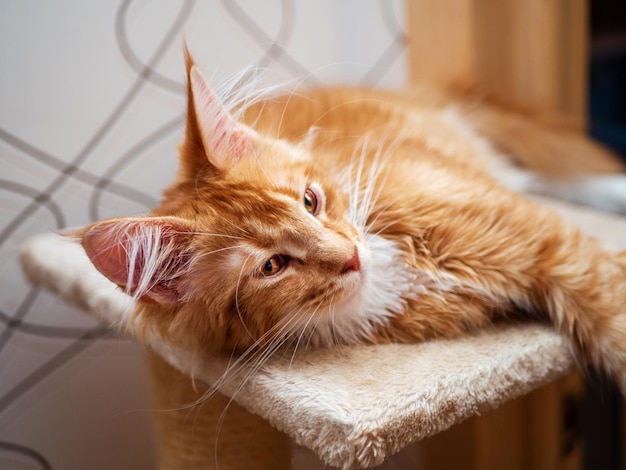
{"x":537,"y":141}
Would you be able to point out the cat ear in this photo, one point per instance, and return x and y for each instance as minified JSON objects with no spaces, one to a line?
{"x":225,"y":140}
{"x":147,"y":257}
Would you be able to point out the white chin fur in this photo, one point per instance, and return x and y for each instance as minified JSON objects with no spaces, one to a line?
{"x":385,"y":283}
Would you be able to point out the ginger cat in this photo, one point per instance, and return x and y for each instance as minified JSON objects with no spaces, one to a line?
{"x":343,"y":216}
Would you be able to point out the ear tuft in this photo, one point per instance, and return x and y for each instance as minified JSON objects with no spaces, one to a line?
{"x":148,"y":257}
{"x":225,"y":140}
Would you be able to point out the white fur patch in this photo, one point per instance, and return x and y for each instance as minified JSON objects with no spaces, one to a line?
{"x":386,"y":285}
{"x":604,"y":192}
{"x":389,"y":283}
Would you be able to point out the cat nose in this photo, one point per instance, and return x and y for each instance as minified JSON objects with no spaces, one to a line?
{"x":353,"y":264}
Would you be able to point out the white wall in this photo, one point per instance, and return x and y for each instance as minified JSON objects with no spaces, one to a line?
{"x":84,"y":136}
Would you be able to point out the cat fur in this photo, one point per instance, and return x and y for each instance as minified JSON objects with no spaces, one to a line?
{"x":419,"y":231}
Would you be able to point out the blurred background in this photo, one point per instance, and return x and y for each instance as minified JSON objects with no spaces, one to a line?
{"x":91,"y":111}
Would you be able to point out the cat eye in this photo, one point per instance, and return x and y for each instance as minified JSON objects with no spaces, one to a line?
{"x":274,"y":265}
{"x":311,"y":201}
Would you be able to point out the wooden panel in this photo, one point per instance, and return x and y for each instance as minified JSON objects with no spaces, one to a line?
{"x":500,"y":438}
{"x":533,"y":51}
{"x":440,"y":41}
{"x":522,"y":434}
{"x":451,"y":449}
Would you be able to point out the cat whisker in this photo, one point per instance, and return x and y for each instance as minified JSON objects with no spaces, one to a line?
{"x":218,"y":250}
{"x":254,"y":362}
{"x":362,"y":154}
{"x":314,"y":330}
{"x":232,"y":224}
{"x":293,"y":93}
{"x":380,"y":212}
{"x":266,"y":353}
{"x":373,"y":187}
{"x":382,"y":229}
{"x":356,"y":193}
{"x":287,"y":101}
{"x":280,"y":333}
{"x":354,"y":189}
{"x":264,"y":171}
{"x":371,"y":193}
{"x":244,"y":89}
{"x":347,"y":103}
{"x":335,"y":336}
{"x":258,"y":358}
{"x":243,"y":323}
{"x":303,"y":331}
{"x":218,"y":235}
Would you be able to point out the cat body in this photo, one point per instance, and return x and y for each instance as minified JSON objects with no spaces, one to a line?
{"x":345,"y":216}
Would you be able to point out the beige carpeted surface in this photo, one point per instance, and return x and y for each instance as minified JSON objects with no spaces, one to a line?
{"x":352,"y":406}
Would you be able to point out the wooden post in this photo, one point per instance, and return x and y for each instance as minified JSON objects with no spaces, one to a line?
{"x":533,"y":51}
{"x":214,"y":434}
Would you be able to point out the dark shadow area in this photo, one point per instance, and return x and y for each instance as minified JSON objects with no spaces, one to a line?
{"x":601,"y":420}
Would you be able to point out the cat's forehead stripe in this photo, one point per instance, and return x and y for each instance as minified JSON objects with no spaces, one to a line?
{"x":287,"y":195}
{"x":242,"y":200}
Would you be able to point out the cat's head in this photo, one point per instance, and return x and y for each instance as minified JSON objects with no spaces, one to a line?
{"x":253,"y":241}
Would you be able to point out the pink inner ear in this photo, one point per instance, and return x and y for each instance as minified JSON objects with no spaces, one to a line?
{"x":224,"y":139}
{"x":148,"y":258}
